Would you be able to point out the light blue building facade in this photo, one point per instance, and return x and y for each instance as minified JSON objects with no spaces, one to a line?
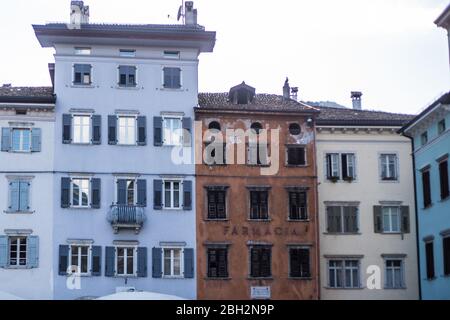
{"x":124,"y":212}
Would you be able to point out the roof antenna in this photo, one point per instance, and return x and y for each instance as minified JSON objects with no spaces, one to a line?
{"x":181,"y":13}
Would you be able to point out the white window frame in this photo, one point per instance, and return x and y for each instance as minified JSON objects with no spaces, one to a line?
{"x":171,"y":275}
{"x":78,"y":266}
{"x":392,"y":269}
{"x":134,"y":179}
{"x":335,"y":164}
{"x":397,"y":166}
{"x":172,"y":191}
{"x":125,"y":275}
{"x":353,"y":163}
{"x":172,"y":118}
{"x":80,"y":197}
{"x":10,"y":244}
{"x":399,"y":219}
{"x":343,"y":273}
{"x":21,"y":139}
{"x":75,"y":115}
{"x":121,"y":116}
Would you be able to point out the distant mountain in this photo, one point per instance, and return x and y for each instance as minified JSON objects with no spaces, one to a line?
{"x":326,"y":104}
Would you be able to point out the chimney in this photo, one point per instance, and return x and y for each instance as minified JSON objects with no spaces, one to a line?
{"x":294,"y":93}
{"x":356,"y":99}
{"x":286,"y":90}
{"x":190,"y":14}
{"x":79,"y":13}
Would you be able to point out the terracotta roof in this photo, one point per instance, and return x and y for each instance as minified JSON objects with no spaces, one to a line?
{"x":27,"y":95}
{"x":261,"y":102}
{"x":346,"y":116}
{"x":129,"y":27}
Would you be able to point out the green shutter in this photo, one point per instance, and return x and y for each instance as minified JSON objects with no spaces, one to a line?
{"x":96,"y":193}
{"x":187,"y":195}
{"x":112,"y":130}
{"x":121,"y":192}
{"x":65,"y":192}
{"x":142,"y":131}
{"x":157,"y":131}
{"x":142,"y":193}
{"x":24,"y":195}
{"x":187,"y":132}
{"x":67,"y":128}
{"x":96,"y":129}
{"x":14,"y":194}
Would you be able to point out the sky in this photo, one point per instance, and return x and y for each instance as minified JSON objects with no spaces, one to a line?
{"x":391,"y":50}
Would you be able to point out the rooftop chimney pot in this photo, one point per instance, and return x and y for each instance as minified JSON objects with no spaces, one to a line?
{"x":190,"y":14}
{"x":79,"y":14}
{"x":286,"y":90}
{"x":356,"y":99}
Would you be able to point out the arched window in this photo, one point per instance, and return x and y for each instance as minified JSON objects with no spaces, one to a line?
{"x":256,"y":126}
{"x":294,"y":129}
{"x":214,"y":125}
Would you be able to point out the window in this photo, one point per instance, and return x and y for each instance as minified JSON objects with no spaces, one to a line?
{"x":256,"y":127}
{"x":81,"y":129}
{"x":214,"y":125}
{"x":388,"y":167}
{"x":347,"y":161}
{"x":19,"y":196}
{"x":82,"y":51}
{"x":298,"y":206}
{"x":260,"y":262}
{"x":79,"y":259}
{"x":342,"y":219}
{"x":348,"y":166}
{"x":21,"y":140}
{"x":82,"y":74}
{"x":296,"y":156}
{"x":259,"y":205}
{"x":127,"y":76}
{"x":172,"y":78}
{"x":172,"y":131}
{"x":172,"y":262}
{"x":391,"y":219}
{"x":333,"y":166}
{"x":424,"y":138}
{"x":294,"y":129}
{"x":343,"y":273}
{"x":172,"y":194}
{"x":216,"y":204}
{"x":426,"y":188}
{"x":299,"y":262}
{"x":217,"y":262}
{"x":126,"y":192}
{"x":394,"y":274}
{"x":17,"y":251}
{"x":446,"y":246}
{"x":127,"y":130}
{"x":443,"y":178}
{"x":429,"y":255}
{"x":127,"y":53}
{"x":80,"y":193}
{"x":172,"y":54}
{"x":442,"y":126}
{"x":125,"y":262}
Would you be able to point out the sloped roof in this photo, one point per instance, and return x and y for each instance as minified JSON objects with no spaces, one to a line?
{"x":27,"y":95}
{"x":261,"y":102}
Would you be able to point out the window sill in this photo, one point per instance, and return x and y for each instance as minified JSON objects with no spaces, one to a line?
{"x":20,"y":152}
{"x":121,"y":276}
{"x":82,"y":86}
{"x":300,"y":278}
{"x":427,"y":207}
{"x":216,"y":220}
{"x":260,"y":220}
{"x":258,"y":165}
{"x":331,"y":288}
{"x":173,"y":277}
{"x":81,"y":144}
{"x":19,"y":212}
{"x":259,"y":278}
{"x":296,"y":166}
{"x":391,"y":233}
{"x":343,"y":234}
{"x":217,"y":279}
{"x":172,"y":89}
{"x":127,"y":145}
{"x":389,"y":181}
{"x":17,"y":268}
{"x":400,"y":288}
{"x":135,"y":87}
{"x":299,"y":220}
{"x":80,"y":208}
{"x":86,"y":275}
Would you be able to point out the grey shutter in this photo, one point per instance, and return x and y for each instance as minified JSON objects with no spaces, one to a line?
{"x":157,"y":131}
{"x":187,"y":195}
{"x":112,"y":130}
{"x":63,"y":260}
{"x":110,"y":259}
{"x":142,"y":131}
{"x":167,"y":77}
{"x":189,"y":263}
{"x":142,"y":193}
{"x":122,"y":192}
{"x":156,"y":262}
{"x":6,"y":139}
{"x":96,"y":261}
{"x":405,"y":219}
{"x":36,"y":140}
{"x":96,"y":193}
{"x":3,"y":251}
{"x":142,"y":262}
{"x":187,"y":132}
{"x":96,"y":129}
{"x":67,"y":129}
{"x":32,"y":252}
{"x":378,"y":219}
{"x":65,"y":192}
{"x":157,"y":194}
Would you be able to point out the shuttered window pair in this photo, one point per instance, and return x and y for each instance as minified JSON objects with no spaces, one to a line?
{"x":341,"y":166}
{"x":260,"y":261}
{"x":127,"y":130}
{"x":21,"y":140}
{"x":172,"y":78}
{"x":342,"y":219}
{"x":389,"y":165}
{"x":126,"y":261}
{"x":127,"y":76}
{"x":19,"y":196}
{"x":79,"y":259}
{"x":173,"y":262}
{"x":82,"y":74}
{"x":19,"y":252}
{"x":132,"y":192}
{"x":80,"y":192}
{"x":172,"y":131}
{"x":82,"y":129}
{"x":299,"y":262}
{"x":217,"y":262}
{"x":172,"y":194}
{"x":391,"y":219}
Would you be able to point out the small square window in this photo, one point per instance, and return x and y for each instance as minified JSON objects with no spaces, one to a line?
{"x":127,"y":53}
{"x":171,"y":54}
{"x":83,"y":51}
{"x":296,"y":156}
{"x":441,"y":126}
{"x":127,"y":76}
{"x":424,"y":138}
{"x":172,"y":78}
{"x":82,"y":74}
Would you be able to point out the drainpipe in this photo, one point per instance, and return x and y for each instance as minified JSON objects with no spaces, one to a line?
{"x":317,"y":231}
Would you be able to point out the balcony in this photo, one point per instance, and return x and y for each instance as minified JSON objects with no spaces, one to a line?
{"x":126,"y":217}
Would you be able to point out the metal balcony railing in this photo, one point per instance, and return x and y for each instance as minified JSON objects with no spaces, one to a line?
{"x":126,"y":217}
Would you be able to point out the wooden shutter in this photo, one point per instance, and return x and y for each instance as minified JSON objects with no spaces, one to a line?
{"x":112,"y":130}
{"x":221,"y":205}
{"x":121,"y":192}
{"x":65,"y":192}
{"x":378,"y":219}
{"x":156,"y":262}
{"x":187,"y":132}
{"x":157,"y":194}
{"x":350,"y":219}
{"x":67,"y":129}
{"x":14,"y":194}
{"x":213,"y":270}
{"x":96,"y":193}
{"x":254,"y":205}
{"x":142,"y":262}
{"x":142,"y":193}
{"x":96,"y":129}
{"x":96,"y":261}
{"x":426,"y":188}
{"x":24,"y":194}
{"x":429,"y":254}
{"x":32,"y":252}
{"x":329,"y":166}
{"x":63,"y":260}
{"x":443,"y":175}
{"x":189,"y":263}
{"x":187,"y":195}
{"x":3,"y":251}
{"x":36,"y":140}
{"x":110,"y":261}
{"x":6,"y":139}
{"x":157,"y":131}
{"x":142,"y":131}
{"x":405,"y":227}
